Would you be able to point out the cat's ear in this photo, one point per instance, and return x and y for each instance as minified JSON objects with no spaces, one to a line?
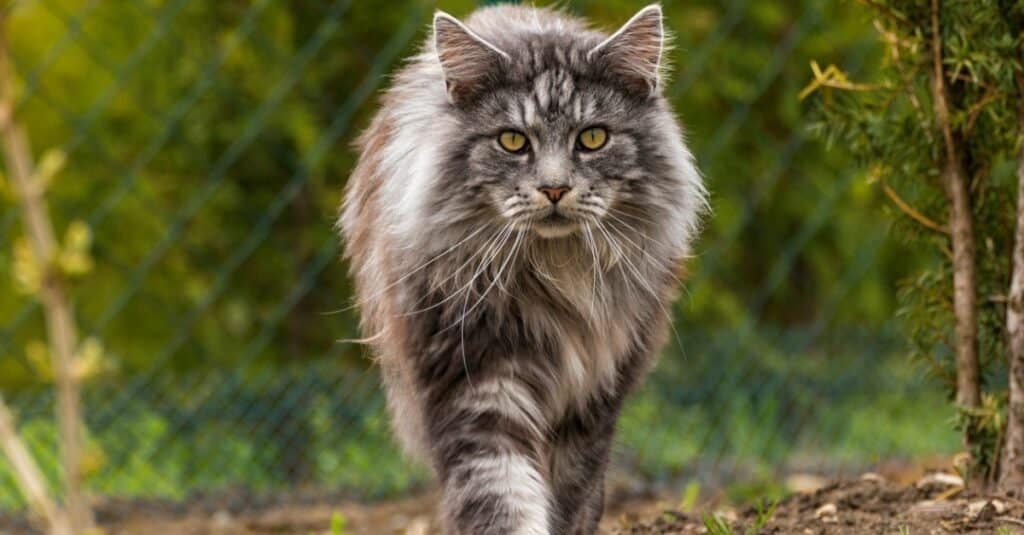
{"x":634,"y":53}
{"x":467,"y":60}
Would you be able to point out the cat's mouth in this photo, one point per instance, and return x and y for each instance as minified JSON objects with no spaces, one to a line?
{"x":554,"y":225}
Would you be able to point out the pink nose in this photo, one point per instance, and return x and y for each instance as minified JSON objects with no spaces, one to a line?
{"x":554,"y":194}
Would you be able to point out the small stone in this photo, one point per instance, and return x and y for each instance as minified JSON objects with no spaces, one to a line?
{"x":805,"y":483}
{"x":940,"y":479}
{"x":419,"y":526}
{"x":935,"y":508}
{"x":222,"y":521}
{"x":872,"y":477}
{"x":827,"y":513}
{"x":985,"y":510}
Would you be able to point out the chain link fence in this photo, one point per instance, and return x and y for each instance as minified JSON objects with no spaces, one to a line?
{"x":207,"y":146}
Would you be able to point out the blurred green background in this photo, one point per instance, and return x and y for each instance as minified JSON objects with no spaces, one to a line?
{"x":208,"y":144}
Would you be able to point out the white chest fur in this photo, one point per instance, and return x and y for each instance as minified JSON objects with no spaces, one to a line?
{"x":589,"y":363}
{"x":588,"y":357}
{"x":590,"y":346}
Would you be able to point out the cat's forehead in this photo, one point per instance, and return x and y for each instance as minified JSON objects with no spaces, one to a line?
{"x":552,"y":97}
{"x":535,"y":54}
{"x":549,"y":78}
{"x":550,"y":82}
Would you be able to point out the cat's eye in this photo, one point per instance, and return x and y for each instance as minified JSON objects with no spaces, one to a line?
{"x":512,"y":141}
{"x":593,"y":138}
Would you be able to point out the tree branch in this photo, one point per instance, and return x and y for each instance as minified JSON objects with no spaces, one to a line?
{"x":60,"y":321}
{"x":911,"y":211}
{"x":27,"y":474}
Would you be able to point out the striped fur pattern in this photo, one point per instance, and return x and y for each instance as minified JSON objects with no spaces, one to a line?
{"x":510,"y":328}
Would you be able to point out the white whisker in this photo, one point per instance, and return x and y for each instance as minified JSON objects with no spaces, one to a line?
{"x":481,"y":253}
{"x":407,"y":275}
{"x":664,"y":307}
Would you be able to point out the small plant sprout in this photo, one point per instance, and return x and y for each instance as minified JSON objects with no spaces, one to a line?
{"x":765,"y":511}
{"x":690,"y":496}
{"x":717,"y":525}
{"x":338,"y":523}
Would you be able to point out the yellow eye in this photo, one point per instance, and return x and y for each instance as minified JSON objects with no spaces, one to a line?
{"x":512,"y":141}
{"x":593,"y":138}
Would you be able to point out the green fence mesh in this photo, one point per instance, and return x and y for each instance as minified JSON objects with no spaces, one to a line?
{"x":208,"y":144}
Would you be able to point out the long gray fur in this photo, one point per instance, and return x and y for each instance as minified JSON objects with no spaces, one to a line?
{"x":510,"y":330}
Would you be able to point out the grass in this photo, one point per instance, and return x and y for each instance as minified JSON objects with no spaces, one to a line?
{"x":783,"y":409}
{"x":718,"y":525}
{"x":338,"y":522}
{"x":891,"y":413}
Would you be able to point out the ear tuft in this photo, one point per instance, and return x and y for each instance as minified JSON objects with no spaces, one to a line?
{"x":467,"y":60}
{"x":634,"y":54}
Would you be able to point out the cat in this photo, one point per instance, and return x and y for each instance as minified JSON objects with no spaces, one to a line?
{"x":521,"y":207}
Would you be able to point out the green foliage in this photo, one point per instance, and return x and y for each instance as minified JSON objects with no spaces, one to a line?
{"x":716,"y":524}
{"x":691,"y":493}
{"x":149,"y":451}
{"x":207,"y":144}
{"x":765,"y":511}
{"x":987,"y":425}
{"x":337,"y":524}
{"x":891,"y":130}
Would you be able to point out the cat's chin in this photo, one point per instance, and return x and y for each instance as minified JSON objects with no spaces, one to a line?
{"x":552,"y":231}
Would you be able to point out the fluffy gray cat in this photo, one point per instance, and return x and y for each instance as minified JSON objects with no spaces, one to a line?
{"x":522,"y":204}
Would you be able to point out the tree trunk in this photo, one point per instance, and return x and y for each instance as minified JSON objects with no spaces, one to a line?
{"x":968,"y":392}
{"x":961,"y":225}
{"x":1011,"y":477}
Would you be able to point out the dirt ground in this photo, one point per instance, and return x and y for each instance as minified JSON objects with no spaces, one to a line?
{"x":932,"y":504}
{"x":871,"y":504}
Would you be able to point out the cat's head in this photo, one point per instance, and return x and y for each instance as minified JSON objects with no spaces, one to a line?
{"x":559,"y":126}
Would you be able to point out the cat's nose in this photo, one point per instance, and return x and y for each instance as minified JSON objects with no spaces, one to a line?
{"x":554,"y":193}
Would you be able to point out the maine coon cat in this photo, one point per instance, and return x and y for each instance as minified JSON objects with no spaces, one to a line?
{"x":521,"y":206}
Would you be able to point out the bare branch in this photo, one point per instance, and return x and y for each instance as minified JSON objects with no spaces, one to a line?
{"x":911,"y":211}
{"x":939,"y":92}
{"x":27,"y":474}
{"x":833,"y":78}
{"x":992,"y":94}
{"x":60,"y":321}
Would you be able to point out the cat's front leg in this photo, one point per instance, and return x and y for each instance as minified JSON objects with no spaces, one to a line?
{"x":488,"y":451}
{"x":578,"y":458}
